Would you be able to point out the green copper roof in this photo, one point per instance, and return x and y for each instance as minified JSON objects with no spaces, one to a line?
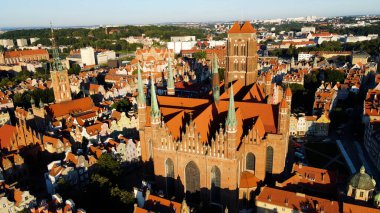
{"x":154,"y":110}
{"x":215,"y":65}
{"x":56,"y":65}
{"x":140,"y":87}
{"x":362,"y":180}
{"x":41,"y":103}
{"x":231,"y":116}
{"x":170,"y":76}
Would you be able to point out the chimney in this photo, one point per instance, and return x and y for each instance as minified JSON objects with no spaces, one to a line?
{"x":323,"y":177}
{"x":300,"y":165}
{"x":286,"y":201}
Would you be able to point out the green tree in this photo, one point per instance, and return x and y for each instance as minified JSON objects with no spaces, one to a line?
{"x":75,"y":69}
{"x":200,"y":55}
{"x":124,"y":105}
{"x":334,"y":76}
{"x":109,"y":165}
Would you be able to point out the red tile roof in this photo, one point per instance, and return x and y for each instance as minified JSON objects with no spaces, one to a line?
{"x":6,"y":134}
{"x":14,"y":54}
{"x":293,"y":200}
{"x":245,"y":28}
{"x":248,"y":180}
{"x":74,"y":106}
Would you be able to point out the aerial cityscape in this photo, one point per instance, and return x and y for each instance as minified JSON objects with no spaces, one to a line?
{"x":204,"y":106}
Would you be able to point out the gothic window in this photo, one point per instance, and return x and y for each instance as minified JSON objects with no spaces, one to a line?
{"x":169,"y":168}
{"x":250,"y":161}
{"x":236,"y":65}
{"x":269,"y":160}
{"x":192,"y":178}
{"x":150,"y":149}
{"x":235,"y":49}
{"x":215,"y":184}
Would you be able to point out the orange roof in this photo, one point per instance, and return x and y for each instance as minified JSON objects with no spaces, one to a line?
{"x":155,"y":200}
{"x":352,"y":208}
{"x":14,"y":54}
{"x":140,"y":210}
{"x":248,"y":180}
{"x":295,"y":200}
{"x":6,"y":134}
{"x":245,"y":28}
{"x":288,"y":92}
{"x":65,"y":108}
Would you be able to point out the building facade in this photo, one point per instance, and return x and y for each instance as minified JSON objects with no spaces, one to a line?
{"x":242,"y":58}
{"x":201,"y":148}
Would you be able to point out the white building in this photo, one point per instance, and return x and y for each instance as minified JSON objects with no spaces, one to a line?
{"x":88,"y":56}
{"x":308,"y":29}
{"x":305,"y":56}
{"x":32,"y":40}
{"x":22,"y":42}
{"x":180,"y":45}
{"x":103,"y":57}
{"x":182,"y":38}
{"x":6,"y":42}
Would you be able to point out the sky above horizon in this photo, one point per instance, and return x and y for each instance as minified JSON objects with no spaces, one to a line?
{"x":34,"y":13}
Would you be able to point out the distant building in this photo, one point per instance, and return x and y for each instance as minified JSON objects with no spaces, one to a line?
{"x":22,"y":42}
{"x":104,"y":56}
{"x":88,"y":56}
{"x":308,"y":30}
{"x":360,"y":57}
{"x":14,"y":57}
{"x":6,"y":42}
{"x":32,"y":40}
{"x":182,"y":38}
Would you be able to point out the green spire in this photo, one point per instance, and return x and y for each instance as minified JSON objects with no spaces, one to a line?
{"x":56,"y":65}
{"x":315,"y":64}
{"x":170,"y":76}
{"x":154,"y":110}
{"x":141,"y":97}
{"x":41,"y":103}
{"x":215,"y":65}
{"x":32,"y":100}
{"x":231,"y":116}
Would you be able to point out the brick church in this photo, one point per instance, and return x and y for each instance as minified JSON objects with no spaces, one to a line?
{"x":207,"y":149}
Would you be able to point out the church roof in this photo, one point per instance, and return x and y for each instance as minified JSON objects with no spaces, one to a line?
{"x":74,"y":106}
{"x":362,"y":180}
{"x":244,"y":28}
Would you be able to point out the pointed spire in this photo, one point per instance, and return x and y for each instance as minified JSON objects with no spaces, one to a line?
{"x":32,"y":101}
{"x":215,"y":65}
{"x":41,"y":104}
{"x":231,"y":116}
{"x":141,"y":97}
{"x":56,"y":65}
{"x":155,"y":113}
{"x":170,"y":83}
{"x":215,"y":80}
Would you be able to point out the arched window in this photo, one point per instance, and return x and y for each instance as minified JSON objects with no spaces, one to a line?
{"x":269,"y":160}
{"x":250,"y":161}
{"x":192,"y":182}
{"x":215,"y":184}
{"x":169,"y":170}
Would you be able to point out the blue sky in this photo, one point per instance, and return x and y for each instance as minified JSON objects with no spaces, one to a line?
{"x":31,"y":13}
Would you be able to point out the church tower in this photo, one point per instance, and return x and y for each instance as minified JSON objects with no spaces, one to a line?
{"x":242,"y":55}
{"x":59,"y":76}
{"x":141,"y":100}
{"x":231,"y":126}
{"x":170,"y":85}
{"x":215,"y":80}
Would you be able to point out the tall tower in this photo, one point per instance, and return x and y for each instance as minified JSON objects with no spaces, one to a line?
{"x":59,"y":76}
{"x":231,"y":126}
{"x":283,"y":118}
{"x":241,"y":54}
{"x":215,"y":80}
{"x":170,"y":85}
{"x":141,"y":100}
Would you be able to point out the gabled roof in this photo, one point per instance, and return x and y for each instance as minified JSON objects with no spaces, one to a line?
{"x":6,"y":134}
{"x":245,"y":28}
{"x":65,"y":108}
